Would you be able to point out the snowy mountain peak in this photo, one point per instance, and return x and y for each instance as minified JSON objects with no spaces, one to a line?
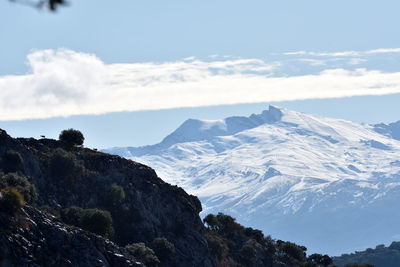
{"x":273,"y":114}
{"x":196,"y":130}
{"x":294,"y":175}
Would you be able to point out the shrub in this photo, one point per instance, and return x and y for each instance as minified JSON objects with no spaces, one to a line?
{"x":21,"y":184}
{"x":144,"y":254}
{"x":97,"y":221}
{"x":71,"y":138}
{"x":64,"y":164}
{"x":93,"y":220}
{"x":212,"y":222}
{"x":323,"y":260}
{"x":117,"y":194}
{"x":12,"y":161}
{"x":71,"y":215}
{"x":292,"y":251}
{"x":11,"y":200}
{"x":222,"y":223}
{"x":255,"y":234}
{"x":164,"y":249}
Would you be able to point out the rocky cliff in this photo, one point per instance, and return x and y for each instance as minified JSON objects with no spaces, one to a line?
{"x":146,"y":209}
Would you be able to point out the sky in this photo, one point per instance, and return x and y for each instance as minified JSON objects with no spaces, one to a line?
{"x":127,"y":73}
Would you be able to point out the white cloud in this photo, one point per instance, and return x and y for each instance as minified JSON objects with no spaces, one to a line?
{"x":313,"y":62}
{"x":357,"y":61}
{"x":323,"y":54}
{"x":343,"y":53}
{"x":383,"y":51}
{"x":64,"y":82}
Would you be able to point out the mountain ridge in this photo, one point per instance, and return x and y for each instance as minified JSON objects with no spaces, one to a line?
{"x":197,"y":130}
{"x":297,"y":170}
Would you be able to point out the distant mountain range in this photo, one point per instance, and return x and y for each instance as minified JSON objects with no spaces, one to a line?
{"x":330,"y":184}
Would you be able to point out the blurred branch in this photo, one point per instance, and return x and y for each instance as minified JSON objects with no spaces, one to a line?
{"x":52,"y":5}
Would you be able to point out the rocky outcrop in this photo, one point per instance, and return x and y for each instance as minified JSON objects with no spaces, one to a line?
{"x":32,"y":238}
{"x":150,"y":209}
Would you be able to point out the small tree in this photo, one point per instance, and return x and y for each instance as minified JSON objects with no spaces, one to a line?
{"x":212,"y":222}
{"x":291,"y":250}
{"x":97,"y":221}
{"x":323,"y":260}
{"x":255,"y":234}
{"x":71,"y":138}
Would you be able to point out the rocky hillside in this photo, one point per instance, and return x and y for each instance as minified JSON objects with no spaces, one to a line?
{"x":380,"y":256}
{"x":143,"y":209}
{"x":33,"y":238}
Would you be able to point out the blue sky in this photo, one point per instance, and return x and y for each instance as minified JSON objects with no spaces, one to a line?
{"x":184,"y":56}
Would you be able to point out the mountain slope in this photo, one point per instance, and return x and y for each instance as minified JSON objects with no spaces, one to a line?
{"x":147,"y":209}
{"x":380,"y":256}
{"x":391,"y":129}
{"x":327,"y":183}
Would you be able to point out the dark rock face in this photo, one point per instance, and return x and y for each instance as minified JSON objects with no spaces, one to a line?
{"x":151,"y":208}
{"x":32,"y":238}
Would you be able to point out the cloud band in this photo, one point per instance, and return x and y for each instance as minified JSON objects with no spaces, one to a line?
{"x":64,"y":82}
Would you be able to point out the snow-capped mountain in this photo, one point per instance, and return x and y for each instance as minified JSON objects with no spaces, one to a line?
{"x":330,"y":184}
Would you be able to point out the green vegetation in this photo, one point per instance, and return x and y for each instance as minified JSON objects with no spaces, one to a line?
{"x":71,"y":138}
{"x":97,"y":221}
{"x":319,"y":259}
{"x":15,"y":191}
{"x":93,"y":220}
{"x":237,"y":246}
{"x":164,"y":249}
{"x":143,"y":254}
{"x":21,"y":184}
{"x":71,"y":215}
{"x":117,"y":194}
{"x":12,"y":161}
{"x":291,"y":252}
{"x":11,"y":200}
{"x":379,"y":256}
{"x":64,"y":165}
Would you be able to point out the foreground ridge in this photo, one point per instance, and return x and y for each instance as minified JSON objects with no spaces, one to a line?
{"x":70,"y":189}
